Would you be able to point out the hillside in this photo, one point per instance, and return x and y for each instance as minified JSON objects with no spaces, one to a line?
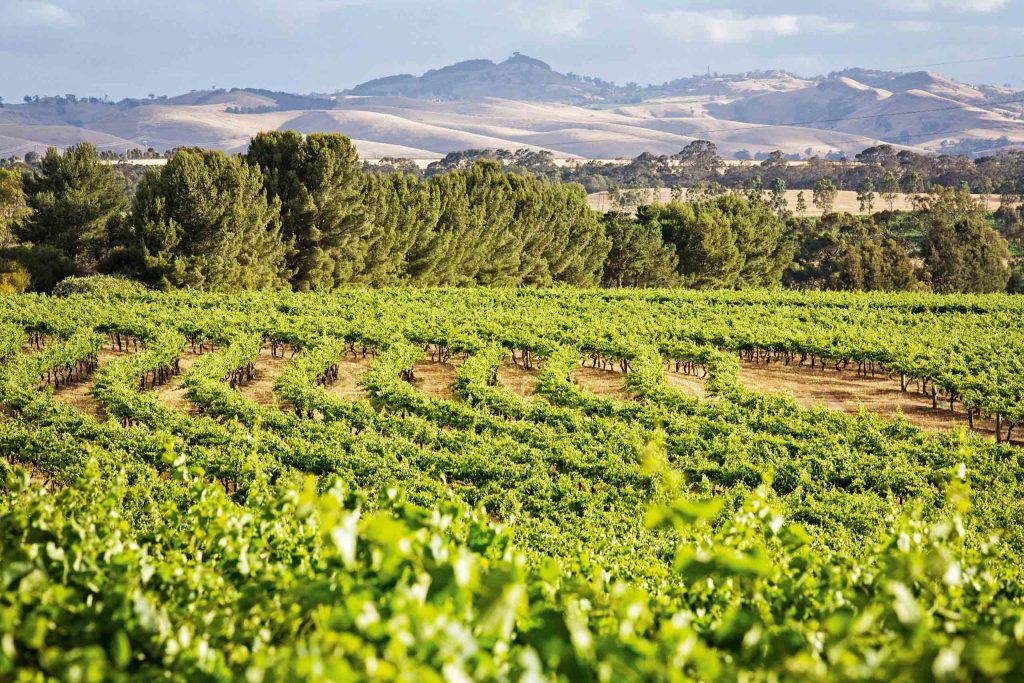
{"x":523,"y":102}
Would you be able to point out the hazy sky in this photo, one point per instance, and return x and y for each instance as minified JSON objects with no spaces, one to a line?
{"x":125,"y":48}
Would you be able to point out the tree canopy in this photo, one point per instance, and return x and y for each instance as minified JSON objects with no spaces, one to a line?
{"x":73,"y":200}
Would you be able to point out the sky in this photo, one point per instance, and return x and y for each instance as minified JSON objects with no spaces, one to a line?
{"x":131,"y":48}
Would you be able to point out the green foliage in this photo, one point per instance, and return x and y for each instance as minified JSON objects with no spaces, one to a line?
{"x":724,"y":241}
{"x":638,"y":257}
{"x":566,"y":536}
{"x":98,"y":285}
{"x":851,"y":253}
{"x":824,"y":195}
{"x":204,"y":221}
{"x":14,"y":278}
{"x":45,"y":265}
{"x":12,"y":203}
{"x":961,"y":251}
{"x":317,"y":180}
{"x":73,"y":198}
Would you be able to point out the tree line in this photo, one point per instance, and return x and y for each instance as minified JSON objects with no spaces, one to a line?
{"x":738,"y":240}
{"x":299,"y":212}
{"x":296,"y":211}
{"x":1001,"y":173}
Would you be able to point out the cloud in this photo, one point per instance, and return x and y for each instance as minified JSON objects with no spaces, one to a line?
{"x":31,"y":14}
{"x":559,"y":18}
{"x":727,"y":26}
{"x":300,"y":14}
{"x":914,"y":26}
{"x":981,"y":6}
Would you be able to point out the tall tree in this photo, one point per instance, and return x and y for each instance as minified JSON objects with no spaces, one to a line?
{"x":840,"y":251}
{"x":704,"y":241}
{"x":824,"y":195}
{"x":318,"y":181}
{"x":204,"y":221}
{"x":866,"y":195}
{"x":12,"y":204}
{"x":638,"y":257}
{"x":74,"y":198}
{"x":890,"y":189}
{"x":801,"y":203}
{"x":399,"y":209}
{"x":961,"y":251}
{"x":778,"y":196}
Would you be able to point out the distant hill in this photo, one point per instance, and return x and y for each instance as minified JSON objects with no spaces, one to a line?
{"x":524,"y":102}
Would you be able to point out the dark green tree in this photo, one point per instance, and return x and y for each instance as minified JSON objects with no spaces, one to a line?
{"x":961,"y":250}
{"x":638,"y":257}
{"x":13,"y":207}
{"x":704,"y":241}
{"x":74,"y":198}
{"x":204,"y":221}
{"x":318,"y":182}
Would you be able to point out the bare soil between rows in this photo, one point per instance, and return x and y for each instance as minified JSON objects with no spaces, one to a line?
{"x":267,"y":369}
{"x":78,"y":394}
{"x":172,"y":393}
{"x":848,"y":392}
{"x":519,"y":380}
{"x":436,"y":379}
{"x":605,"y":383}
{"x":350,"y":371}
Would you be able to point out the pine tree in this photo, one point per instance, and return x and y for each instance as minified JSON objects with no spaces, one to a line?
{"x":204,"y":221}
{"x":13,"y":207}
{"x":961,"y":251}
{"x":704,"y":241}
{"x":73,"y":200}
{"x":638,"y":256}
{"x":399,"y":208}
{"x":318,"y":181}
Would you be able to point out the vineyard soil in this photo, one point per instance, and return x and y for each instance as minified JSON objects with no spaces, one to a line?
{"x":517,"y":379}
{"x":847,"y":392}
{"x":268,"y":369}
{"x":78,"y":394}
{"x":350,"y":372}
{"x":604,"y":383}
{"x":436,"y":379}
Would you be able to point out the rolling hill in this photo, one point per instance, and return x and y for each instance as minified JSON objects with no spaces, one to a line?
{"x":523,"y":102}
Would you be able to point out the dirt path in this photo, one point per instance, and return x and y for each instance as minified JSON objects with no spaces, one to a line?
{"x":172,"y":393}
{"x":350,"y":371}
{"x":268,"y":369}
{"x":77,"y":394}
{"x":691,"y":385}
{"x":517,"y":379}
{"x":604,"y":383}
{"x":847,"y":392}
{"x":436,"y":379}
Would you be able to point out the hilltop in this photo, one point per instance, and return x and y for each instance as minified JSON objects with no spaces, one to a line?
{"x":524,"y":102}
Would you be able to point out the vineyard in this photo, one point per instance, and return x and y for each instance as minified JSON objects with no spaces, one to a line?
{"x":428,"y":484}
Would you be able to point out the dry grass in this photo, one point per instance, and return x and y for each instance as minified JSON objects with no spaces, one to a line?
{"x":605,"y":383}
{"x":350,"y":372}
{"x":517,"y":379}
{"x":435,"y":379}
{"x":847,"y":392}
{"x":846,"y":201}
